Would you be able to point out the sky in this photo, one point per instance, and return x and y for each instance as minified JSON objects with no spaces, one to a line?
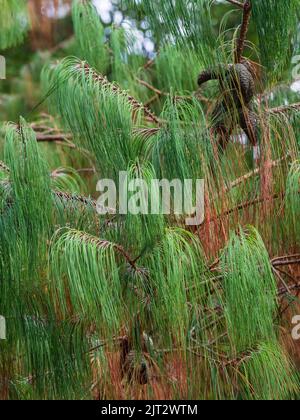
{"x":105,"y":8}
{"x":296,"y":86}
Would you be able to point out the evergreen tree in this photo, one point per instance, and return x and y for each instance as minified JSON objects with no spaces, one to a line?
{"x":143,"y":306}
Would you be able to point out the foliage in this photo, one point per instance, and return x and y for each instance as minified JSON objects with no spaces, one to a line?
{"x":92,"y":300}
{"x":13,"y":21}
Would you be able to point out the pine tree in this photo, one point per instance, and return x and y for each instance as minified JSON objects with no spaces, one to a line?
{"x":143,"y":306}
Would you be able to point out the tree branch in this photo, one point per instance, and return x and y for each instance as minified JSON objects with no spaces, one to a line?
{"x":284,"y":109}
{"x":136,"y":105}
{"x":285,"y":263}
{"x":4,"y":167}
{"x":247,"y":7}
{"x":245,"y":205}
{"x":52,"y":137}
{"x":253,"y":173}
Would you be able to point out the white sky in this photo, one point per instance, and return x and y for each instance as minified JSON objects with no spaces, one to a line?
{"x":104,"y":8}
{"x":296,"y":86}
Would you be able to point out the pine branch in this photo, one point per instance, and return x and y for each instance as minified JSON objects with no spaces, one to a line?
{"x":242,"y":358}
{"x":137,"y":106}
{"x":247,"y":8}
{"x":76,"y":198}
{"x":150,"y":87}
{"x":4,"y":167}
{"x":295,"y":261}
{"x":284,"y":109}
{"x":53,"y":137}
{"x":295,"y":287}
{"x":253,"y":173}
{"x":285,"y":258}
{"x":84,"y":237}
{"x":246,"y":205}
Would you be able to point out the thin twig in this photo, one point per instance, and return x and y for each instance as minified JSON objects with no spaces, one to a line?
{"x":150,"y":87}
{"x":243,"y":357}
{"x":149,"y":63}
{"x":285,"y":257}
{"x":255,"y":172}
{"x":159,"y":93}
{"x":52,"y":137}
{"x":285,"y":263}
{"x":281,"y":279}
{"x":247,"y":204}
{"x":151,"y":100}
{"x":282,"y":291}
{"x":280,"y":270}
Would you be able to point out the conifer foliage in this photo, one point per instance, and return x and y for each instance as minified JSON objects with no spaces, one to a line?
{"x":124,"y":306}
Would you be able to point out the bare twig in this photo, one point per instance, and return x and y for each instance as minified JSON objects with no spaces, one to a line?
{"x":285,"y":257}
{"x":62,"y":45}
{"x":86,"y":170}
{"x":151,"y":100}
{"x":245,"y":205}
{"x":277,"y":273}
{"x":255,"y":172}
{"x":52,"y":137}
{"x":295,"y":287}
{"x":150,"y":87}
{"x":149,"y":63}
{"x":240,"y":359}
{"x":287,"y":262}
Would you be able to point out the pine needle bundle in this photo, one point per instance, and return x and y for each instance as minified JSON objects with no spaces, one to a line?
{"x":292,"y":202}
{"x":89,"y":33}
{"x":275,"y":22}
{"x":250,"y":291}
{"x":85,"y":269}
{"x":98,"y":113}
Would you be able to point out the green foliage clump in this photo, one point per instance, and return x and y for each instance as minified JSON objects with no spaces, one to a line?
{"x":276,"y":25}
{"x":13,"y":22}
{"x":96,"y":112}
{"x":90,"y":35}
{"x":249,"y":283}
